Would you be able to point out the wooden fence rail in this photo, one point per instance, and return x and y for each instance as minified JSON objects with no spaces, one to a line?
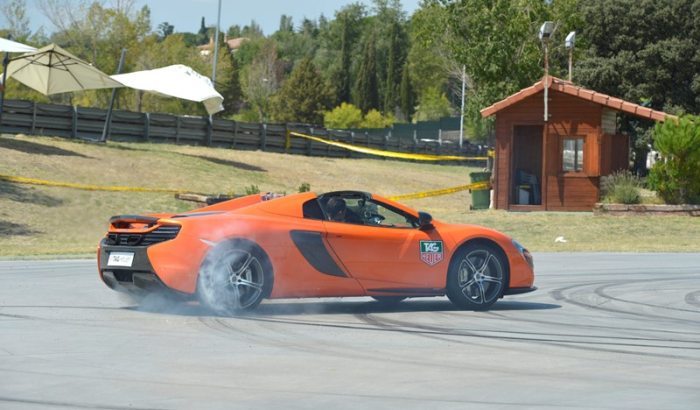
{"x":33,"y":118}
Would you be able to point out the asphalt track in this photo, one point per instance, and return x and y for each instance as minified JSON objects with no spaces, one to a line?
{"x":605,"y":331}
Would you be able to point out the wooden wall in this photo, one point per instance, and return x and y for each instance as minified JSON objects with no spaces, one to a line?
{"x":569,"y":116}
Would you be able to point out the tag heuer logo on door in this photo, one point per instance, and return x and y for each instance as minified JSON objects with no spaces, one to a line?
{"x":431,"y":252}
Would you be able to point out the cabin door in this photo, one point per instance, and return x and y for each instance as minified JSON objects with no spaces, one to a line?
{"x":526,"y":171}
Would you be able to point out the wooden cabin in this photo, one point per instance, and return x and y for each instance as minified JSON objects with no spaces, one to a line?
{"x":556,"y":165}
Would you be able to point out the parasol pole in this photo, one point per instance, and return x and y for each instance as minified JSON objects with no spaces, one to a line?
{"x":5,"y":62}
{"x":108,"y":120}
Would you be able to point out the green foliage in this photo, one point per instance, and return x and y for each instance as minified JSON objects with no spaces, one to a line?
{"x":304,"y":96}
{"x":394,"y":69}
{"x":343,"y":116}
{"x":304,"y":187}
{"x":433,"y":105}
{"x":366,"y":92}
{"x":406,"y":95}
{"x":261,"y":78}
{"x":348,"y":116}
{"x":621,"y":187}
{"x":375,"y":119}
{"x":676,"y":177}
{"x":251,"y":189}
{"x":643,"y":50}
{"x":429,"y":57}
{"x":165,"y":29}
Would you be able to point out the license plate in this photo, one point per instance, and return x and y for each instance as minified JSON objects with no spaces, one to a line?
{"x":120,"y":259}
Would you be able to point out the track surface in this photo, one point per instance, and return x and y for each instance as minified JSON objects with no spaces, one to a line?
{"x":605,"y":331}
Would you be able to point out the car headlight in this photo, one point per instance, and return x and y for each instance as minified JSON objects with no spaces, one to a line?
{"x":525,"y":253}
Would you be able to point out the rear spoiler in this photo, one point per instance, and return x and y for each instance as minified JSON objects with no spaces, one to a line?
{"x":118,"y":219}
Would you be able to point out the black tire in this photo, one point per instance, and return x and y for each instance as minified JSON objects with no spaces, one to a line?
{"x":235,"y":276}
{"x":388,"y":300}
{"x":477,"y":276}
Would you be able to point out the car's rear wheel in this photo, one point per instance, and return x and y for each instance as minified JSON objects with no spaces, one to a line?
{"x":388,"y":300}
{"x":235,"y":276}
{"x":477,"y":276}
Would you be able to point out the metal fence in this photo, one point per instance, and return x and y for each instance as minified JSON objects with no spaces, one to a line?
{"x":33,"y":118}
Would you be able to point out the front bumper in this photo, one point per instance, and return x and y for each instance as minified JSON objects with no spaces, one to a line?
{"x":139,"y":279}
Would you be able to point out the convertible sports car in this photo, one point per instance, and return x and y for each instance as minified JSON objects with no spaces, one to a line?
{"x":234,"y":254}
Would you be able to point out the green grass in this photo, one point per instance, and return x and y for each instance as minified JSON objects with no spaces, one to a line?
{"x":46,"y":221}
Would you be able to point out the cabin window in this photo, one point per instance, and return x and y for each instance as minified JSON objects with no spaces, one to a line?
{"x":572,"y":155}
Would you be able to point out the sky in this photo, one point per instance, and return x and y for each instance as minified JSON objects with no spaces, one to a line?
{"x":186,"y":15}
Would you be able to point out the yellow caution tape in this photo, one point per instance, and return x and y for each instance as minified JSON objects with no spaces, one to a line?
{"x":477,"y":186}
{"x":383,"y":153}
{"x":33,"y":181}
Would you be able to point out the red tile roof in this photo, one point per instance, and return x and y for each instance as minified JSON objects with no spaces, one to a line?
{"x":557,"y":84}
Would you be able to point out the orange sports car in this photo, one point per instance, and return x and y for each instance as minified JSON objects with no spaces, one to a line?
{"x":234,"y":254}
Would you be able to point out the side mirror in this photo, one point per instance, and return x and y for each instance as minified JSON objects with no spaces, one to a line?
{"x":425,"y":221}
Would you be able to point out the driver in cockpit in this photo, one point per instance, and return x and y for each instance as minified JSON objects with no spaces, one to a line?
{"x":338,"y":211}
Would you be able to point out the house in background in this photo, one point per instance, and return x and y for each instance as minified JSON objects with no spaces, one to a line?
{"x":557,"y":164}
{"x":233,"y":44}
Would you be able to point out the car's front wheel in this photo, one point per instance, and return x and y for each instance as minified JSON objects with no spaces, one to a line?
{"x":235,"y":276}
{"x":477,"y":276}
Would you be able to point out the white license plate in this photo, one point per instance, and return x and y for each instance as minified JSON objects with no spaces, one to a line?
{"x":120,"y":259}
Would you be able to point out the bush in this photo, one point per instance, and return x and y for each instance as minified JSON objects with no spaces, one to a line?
{"x":676,"y":176}
{"x":304,"y":187}
{"x":252,"y":189}
{"x":344,"y":116}
{"x":375,"y":119}
{"x":621,"y":187}
{"x":433,"y":105}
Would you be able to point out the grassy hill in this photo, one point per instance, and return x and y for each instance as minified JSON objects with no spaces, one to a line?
{"x":41,"y":220}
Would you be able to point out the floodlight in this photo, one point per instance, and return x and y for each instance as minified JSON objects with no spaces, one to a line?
{"x":546,"y":30}
{"x":570,"y":40}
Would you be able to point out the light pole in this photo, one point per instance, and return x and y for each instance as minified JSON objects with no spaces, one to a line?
{"x":546,"y":31}
{"x":461,"y":122}
{"x":569,"y":43}
{"x":216,"y":46}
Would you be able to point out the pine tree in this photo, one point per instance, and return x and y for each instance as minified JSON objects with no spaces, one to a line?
{"x":303,"y":97}
{"x":343,"y":74}
{"x":203,"y":33}
{"x":232,"y":93}
{"x":366,"y":86}
{"x":393,"y":70}
{"x":407,"y":96}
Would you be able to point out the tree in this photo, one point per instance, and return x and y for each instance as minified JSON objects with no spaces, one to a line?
{"x":676,"y":176}
{"x":262,"y":78}
{"x":366,"y":92}
{"x":165,"y":29}
{"x":203,"y":33}
{"x":15,"y":12}
{"x":342,"y":76}
{"x":646,"y":52}
{"x":393,"y":70}
{"x":497,"y":43}
{"x":286,"y":24}
{"x":433,"y":105}
{"x":406,"y":96}
{"x":303,"y":97}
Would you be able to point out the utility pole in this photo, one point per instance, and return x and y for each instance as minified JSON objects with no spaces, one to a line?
{"x":545,"y":34}
{"x":461,"y":121}
{"x":216,"y":47}
{"x":569,"y":43}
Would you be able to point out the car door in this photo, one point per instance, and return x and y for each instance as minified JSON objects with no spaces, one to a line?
{"x":388,"y":250}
